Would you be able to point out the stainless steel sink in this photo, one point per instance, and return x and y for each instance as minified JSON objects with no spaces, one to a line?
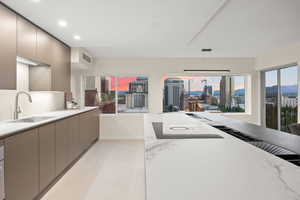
{"x":31,"y":119}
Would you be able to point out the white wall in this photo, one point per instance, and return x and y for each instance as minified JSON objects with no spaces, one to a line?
{"x":280,"y":57}
{"x":128,"y":126}
{"x":155,"y":69}
{"x":42,"y":101}
{"x":77,"y":85}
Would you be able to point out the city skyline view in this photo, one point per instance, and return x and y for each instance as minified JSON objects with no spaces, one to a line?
{"x":197,"y":82}
{"x":132,"y":93}
{"x":214,"y":93}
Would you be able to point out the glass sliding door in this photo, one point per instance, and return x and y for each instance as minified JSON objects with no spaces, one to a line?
{"x":281,"y":98}
{"x":271,"y":99}
{"x":289,"y":97}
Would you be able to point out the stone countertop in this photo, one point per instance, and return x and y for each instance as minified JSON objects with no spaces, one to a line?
{"x":283,"y":139}
{"x":9,"y":128}
{"x":214,"y":169}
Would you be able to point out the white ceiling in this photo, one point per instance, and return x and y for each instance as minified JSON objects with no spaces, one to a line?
{"x":168,"y":28}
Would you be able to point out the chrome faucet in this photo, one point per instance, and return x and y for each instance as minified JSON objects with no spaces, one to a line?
{"x":17,"y":107}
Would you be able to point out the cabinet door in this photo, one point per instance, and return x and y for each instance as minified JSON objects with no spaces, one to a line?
{"x":40,"y":78}
{"x":84,"y":131}
{"x":26,"y":39}
{"x":89,"y":128}
{"x":61,"y":68}
{"x":95,"y":125}
{"x":67,"y":69}
{"x":47,"y":155}
{"x":44,"y":47}
{"x":62,"y":150}
{"x":75,"y":137}
{"x":8,"y":50}
{"x":22,"y":166}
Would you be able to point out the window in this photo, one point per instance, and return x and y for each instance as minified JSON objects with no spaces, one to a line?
{"x":201,"y":93}
{"x":108,"y":94}
{"x":132,"y":94}
{"x":124,"y":94}
{"x":280,"y":98}
{"x":271,"y":99}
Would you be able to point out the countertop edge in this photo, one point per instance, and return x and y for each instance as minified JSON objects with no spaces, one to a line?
{"x":43,"y":123}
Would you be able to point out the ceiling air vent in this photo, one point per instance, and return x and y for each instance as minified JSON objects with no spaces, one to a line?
{"x":81,"y":58}
{"x":87,"y":58}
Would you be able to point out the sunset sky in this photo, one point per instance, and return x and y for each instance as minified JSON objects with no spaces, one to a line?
{"x":197,"y":82}
{"x":123,"y":83}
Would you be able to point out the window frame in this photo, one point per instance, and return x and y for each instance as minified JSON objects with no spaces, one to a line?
{"x":247,"y":86}
{"x":279,"y":93}
{"x":117,"y":92}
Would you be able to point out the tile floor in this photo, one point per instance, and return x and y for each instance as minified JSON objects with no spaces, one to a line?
{"x":110,"y":170}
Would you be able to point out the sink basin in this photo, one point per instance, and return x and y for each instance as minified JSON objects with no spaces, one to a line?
{"x":31,"y":119}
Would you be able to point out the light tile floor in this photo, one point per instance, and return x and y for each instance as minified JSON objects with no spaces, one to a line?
{"x":110,"y":170}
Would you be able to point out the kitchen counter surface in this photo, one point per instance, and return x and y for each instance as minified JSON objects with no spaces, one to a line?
{"x":227,"y":169}
{"x":9,"y":128}
{"x":283,"y":139}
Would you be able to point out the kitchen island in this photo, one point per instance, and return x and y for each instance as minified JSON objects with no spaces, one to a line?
{"x":212,"y":168}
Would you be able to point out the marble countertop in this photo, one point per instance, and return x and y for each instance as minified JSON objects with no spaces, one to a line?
{"x":7,"y":128}
{"x":214,"y":169}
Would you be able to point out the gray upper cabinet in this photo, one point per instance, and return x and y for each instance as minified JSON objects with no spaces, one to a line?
{"x":61,"y":67}
{"x":40,"y":78}
{"x":8,"y":50}
{"x":26,"y":39}
{"x":57,"y":76}
{"x":22,"y":166}
{"x":19,"y":37}
{"x":47,"y":155}
{"x":44,"y":47}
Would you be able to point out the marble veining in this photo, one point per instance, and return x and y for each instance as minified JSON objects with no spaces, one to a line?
{"x":279,"y":172}
{"x":227,"y":169}
{"x":155,"y":149}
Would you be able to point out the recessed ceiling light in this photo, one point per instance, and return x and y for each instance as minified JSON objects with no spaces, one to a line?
{"x":36,"y":1}
{"x":77,"y":37}
{"x":62,"y":23}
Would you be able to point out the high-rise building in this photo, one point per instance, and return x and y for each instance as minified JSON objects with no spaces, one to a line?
{"x":226,"y":91}
{"x":174,"y":93}
{"x":208,"y":90}
{"x":137,"y":96}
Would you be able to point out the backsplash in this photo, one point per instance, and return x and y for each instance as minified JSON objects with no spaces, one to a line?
{"x":42,"y":101}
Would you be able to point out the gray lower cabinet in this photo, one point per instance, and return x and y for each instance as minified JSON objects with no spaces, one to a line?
{"x":35,"y":158}
{"x":95,"y":124}
{"x":62,"y":149}
{"x":85,"y":130}
{"x":89,"y":128}
{"x":75,"y":137}
{"x":22,"y":166}
{"x":47,"y":155}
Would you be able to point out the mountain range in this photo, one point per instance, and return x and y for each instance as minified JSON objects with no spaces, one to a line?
{"x":287,"y":90}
